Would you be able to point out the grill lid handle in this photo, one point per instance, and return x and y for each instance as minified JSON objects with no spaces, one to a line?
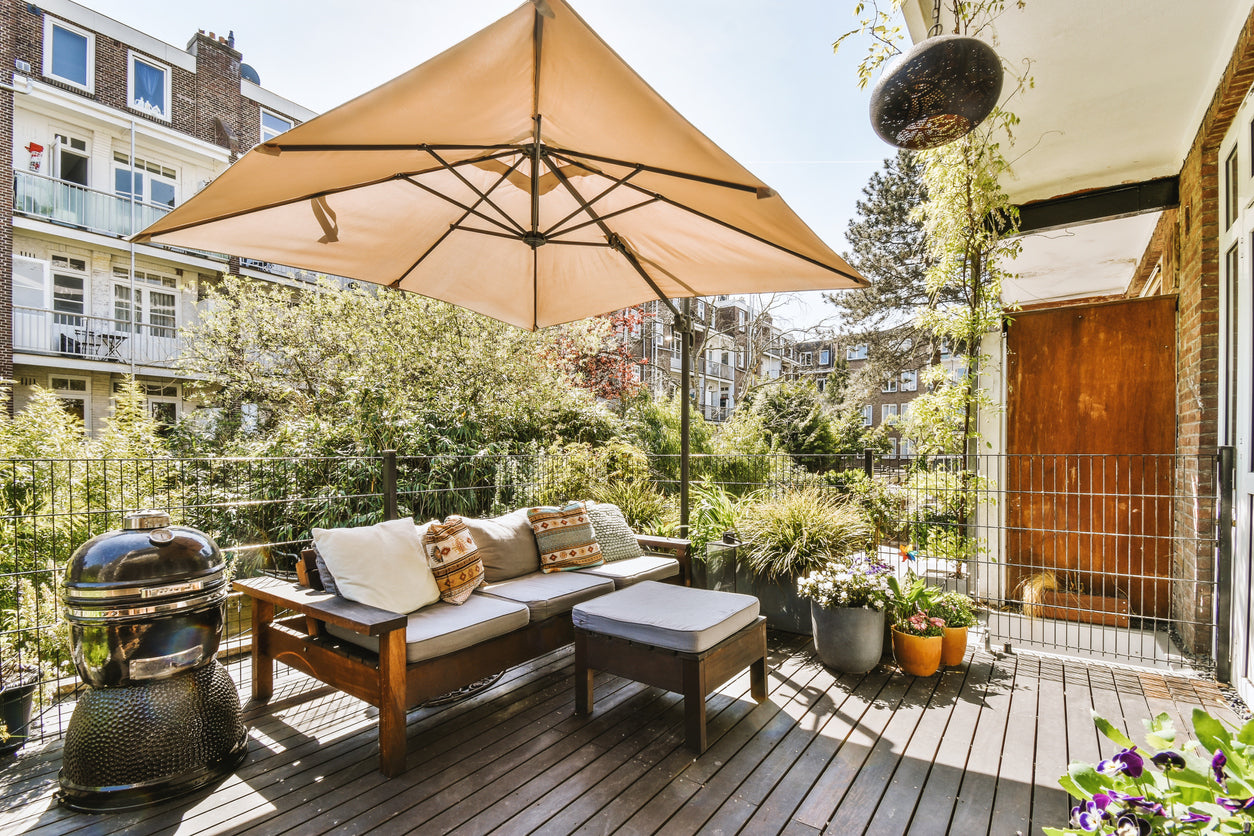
{"x":146,"y":519}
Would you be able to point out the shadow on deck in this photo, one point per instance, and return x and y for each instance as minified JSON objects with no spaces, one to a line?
{"x":976,"y":749}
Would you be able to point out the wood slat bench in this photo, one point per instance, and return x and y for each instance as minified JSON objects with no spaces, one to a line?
{"x":299,"y":639}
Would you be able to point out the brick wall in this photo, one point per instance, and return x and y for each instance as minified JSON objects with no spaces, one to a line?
{"x":8,"y":40}
{"x":1187,"y":242}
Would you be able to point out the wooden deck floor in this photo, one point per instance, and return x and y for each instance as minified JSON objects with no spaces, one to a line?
{"x":974,"y":750}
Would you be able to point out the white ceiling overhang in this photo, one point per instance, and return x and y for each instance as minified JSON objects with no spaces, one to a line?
{"x":1121,"y":87}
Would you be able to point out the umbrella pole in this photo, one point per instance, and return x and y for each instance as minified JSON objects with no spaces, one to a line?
{"x":685,"y":411}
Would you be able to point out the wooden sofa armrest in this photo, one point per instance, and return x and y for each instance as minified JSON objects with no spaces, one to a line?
{"x":677,"y":547}
{"x":322,"y":606}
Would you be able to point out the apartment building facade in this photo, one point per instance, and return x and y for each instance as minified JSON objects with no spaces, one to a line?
{"x":111,"y":128}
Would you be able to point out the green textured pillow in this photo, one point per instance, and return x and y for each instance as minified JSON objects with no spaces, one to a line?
{"x":564,"y":537}
{"x":615,"y":537}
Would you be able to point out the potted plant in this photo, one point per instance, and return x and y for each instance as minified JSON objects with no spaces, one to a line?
{"x":788,"y":536}
{"x":847,"y":601}
{"x":917,"y":636}
{"x":958,"y":613}
{"x":32,"y":654}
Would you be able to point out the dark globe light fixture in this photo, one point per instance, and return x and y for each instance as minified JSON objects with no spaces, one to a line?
{"x":937,"y":92}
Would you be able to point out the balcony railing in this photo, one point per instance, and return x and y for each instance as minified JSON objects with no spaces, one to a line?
{"x":38,"y":196}
{"x":42,"y":331}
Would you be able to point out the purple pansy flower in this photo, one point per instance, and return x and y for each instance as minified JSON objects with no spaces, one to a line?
{"x":1191,"y":817}
{"x":1127,"y":760}
{"x":1091,"y":814}
{"x":1137,"y":802}
{"x":1130,"y":825}
{"x":1233,"y":805}
{"x":1217,"y":765}
{"x":1168,"y":760}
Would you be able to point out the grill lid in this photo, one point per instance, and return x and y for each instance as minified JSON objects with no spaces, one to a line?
{"x":145,"y":566}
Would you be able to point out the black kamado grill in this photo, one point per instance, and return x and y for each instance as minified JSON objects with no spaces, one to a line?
{"x":146,"y":607}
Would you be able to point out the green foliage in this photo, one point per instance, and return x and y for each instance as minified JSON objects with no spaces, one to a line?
{"x":654,"y":423}
{"x":741,"y":455}
{"x":712,"y":514}
{"x":1205,"y":785}
{"x":910,"y":596}
{"x":578,"y":470}
{"x":799,"y":531}
{"x":34,"y":641}
{"x":795,"y":419}
{"x":647,"y":510}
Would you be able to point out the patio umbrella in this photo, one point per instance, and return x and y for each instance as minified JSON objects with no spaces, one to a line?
{"x":527,"y":173}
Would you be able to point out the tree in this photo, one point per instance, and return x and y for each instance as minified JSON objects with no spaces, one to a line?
{"x":795,"y":420}
{"x":595,"y":354}
{"x":358,"y":370}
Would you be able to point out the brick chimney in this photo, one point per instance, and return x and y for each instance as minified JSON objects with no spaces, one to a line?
{"x":217,"y":89}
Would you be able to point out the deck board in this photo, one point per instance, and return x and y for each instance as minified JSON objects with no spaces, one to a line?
{"x":977,"y":749}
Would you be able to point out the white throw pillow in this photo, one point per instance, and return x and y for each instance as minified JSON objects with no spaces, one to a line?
{"x":381,"y":565}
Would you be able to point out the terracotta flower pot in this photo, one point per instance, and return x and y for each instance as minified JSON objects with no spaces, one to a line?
{"x":953,"y":646}
{"x":917,"y":655}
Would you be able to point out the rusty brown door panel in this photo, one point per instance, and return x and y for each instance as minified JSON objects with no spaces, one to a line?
{"x":1091,"y":421}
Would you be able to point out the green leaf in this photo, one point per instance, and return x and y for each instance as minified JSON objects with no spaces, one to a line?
{"x":1246,"y":734}
{"x":1210,"y":732}
{"x":1087,"y":779}
{"x":1104,"y":726}
{"x":1161,"y":728}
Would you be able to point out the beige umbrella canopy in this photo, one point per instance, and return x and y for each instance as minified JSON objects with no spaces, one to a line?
{"x":527,"y":173}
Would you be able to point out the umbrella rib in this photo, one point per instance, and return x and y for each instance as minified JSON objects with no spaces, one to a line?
{"x":493,"y":233}
{"x":600,"y":218}
{"x":458,"y":223}
{"x":514,"y":233}
{"x":566,"y":153}
{"x":554,"y":229}
{"x":482,"y":195}
{"x":861,"y":282}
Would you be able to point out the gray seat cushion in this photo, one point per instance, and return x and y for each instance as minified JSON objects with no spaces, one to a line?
{"x":664,"y":615}
{"x":443,"y":628}
{"x":624,"y":573}
{"x":547,"y":595}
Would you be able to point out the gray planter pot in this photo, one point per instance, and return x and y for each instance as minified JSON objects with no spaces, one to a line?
{"x":783,"y":607}
{"x":848,"y":639}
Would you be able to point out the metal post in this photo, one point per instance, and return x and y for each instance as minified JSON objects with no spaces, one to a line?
{"x":685,"y":416}
{"x":389,"y":485}
{"x":1223,"y":567}
{"x":868,"y":463}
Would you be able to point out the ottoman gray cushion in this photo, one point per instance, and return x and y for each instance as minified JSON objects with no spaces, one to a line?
{"x":649,"y":567}
{"x":664,"y":615}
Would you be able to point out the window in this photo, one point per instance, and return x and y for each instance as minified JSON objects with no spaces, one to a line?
{"x":69,"y":54}
{"x":153,"y":183}
{"x":856,"y":352}
{"x":892,"y":448}
{"x":75,"y":396}
{"x":807,"y":357}
{"x":822,"y":382}
{"x":906,"y":449}
{"x":148,"y":87}
{"x":701,"y":310}
{"x":825,"y":357}
{"x":69,"y":161}
{"x":889,"y":385}
{"x":888,"y":413}
{"x":910,"y":381}
{"x":868,"y":415}
{"x":154,"y":302}
{"x":740,"y":317}
{"x":69,"y":290}
{"x":162,"y":401}
{"x":272,"y":125}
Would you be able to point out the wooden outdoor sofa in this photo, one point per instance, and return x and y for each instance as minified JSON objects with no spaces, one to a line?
{"x":322,"y":635}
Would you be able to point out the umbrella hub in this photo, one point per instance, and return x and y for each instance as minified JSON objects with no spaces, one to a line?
{"x":534,"y":239}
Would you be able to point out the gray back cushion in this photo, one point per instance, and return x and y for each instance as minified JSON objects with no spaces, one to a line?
{"x":612,"y":532}
{"x":506,"y":544}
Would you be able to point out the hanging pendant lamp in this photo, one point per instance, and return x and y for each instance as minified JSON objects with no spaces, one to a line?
{"x":937,"y":92}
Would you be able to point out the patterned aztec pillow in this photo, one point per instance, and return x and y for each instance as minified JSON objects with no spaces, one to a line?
{"x":564,"y":537}
{"x":453,"y":558}
{"x":614,"y":536}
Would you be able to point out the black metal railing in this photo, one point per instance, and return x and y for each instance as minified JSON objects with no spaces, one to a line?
{"x":1110,"y":556}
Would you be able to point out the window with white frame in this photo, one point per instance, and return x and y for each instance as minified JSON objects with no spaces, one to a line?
{"x":160,"y":399}
{"x":888,"y":413}
{"x":75,"y":395}
{"x":807,"y":357}
{"x":151,"y":182}
{"x":701,"y":310}
{"x":906,"y":449}
{"x":148,"y":87}
{"x":153,"y":302}
{"x":272,"y":124}
{"x":740,"y":317}
{"x":892,"y":448}
{"x":69,"y":290}
{"x":822,"y":383}
{"x":825,"y":357}
{"x":70,"y":160}
{"x":856,"y":352}
{"x":889,"y":385}
{"x":69,"y":54}
{"x":868,"y":415}
{"x":910,"y":381}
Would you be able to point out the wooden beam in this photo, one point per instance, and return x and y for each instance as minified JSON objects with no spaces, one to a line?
{"x":1104,"y":204}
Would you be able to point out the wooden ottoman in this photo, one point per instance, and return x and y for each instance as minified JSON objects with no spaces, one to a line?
{"x":675,"y":637}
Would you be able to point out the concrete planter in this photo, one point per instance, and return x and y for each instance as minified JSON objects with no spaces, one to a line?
{"x":848,"y":639}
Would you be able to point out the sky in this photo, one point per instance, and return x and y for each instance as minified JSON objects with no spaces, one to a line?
{"x":759,"y":78}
